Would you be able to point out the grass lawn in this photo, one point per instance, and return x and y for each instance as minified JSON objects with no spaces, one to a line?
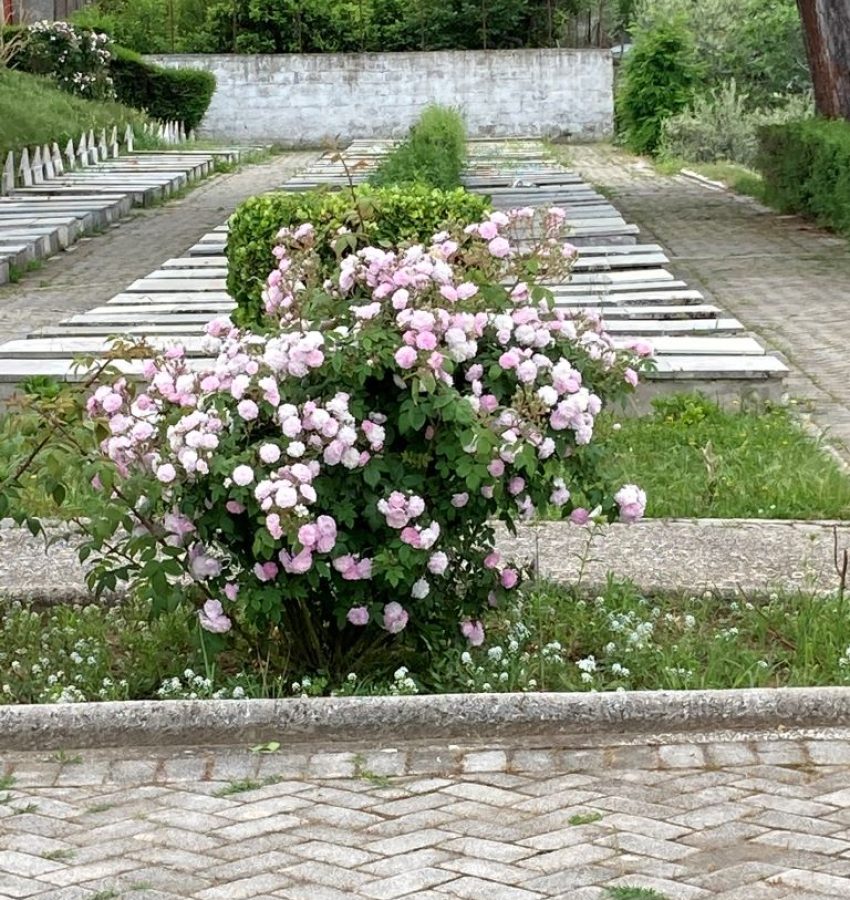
{"x":694,"y":459}
{"x":736,"y":177}
{"x":553,"y":640}
{"x":34,"y":112}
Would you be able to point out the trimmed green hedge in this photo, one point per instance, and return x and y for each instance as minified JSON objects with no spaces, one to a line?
{"x":434,"y":152}
{"x":181,"y":95}
{"x":375,"y":215}
{"x":806,"y":169}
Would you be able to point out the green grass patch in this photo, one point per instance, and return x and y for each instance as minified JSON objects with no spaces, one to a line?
{"x":628,"y":892}
{"x":694,"y":459}
{"x":553,"y":639}
{"x":736,"y":177}
{"x":34,"y":112}
{"x":434,"y":152}
{"x":584,"y":818}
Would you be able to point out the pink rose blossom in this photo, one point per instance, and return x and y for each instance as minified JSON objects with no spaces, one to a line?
{"x":243,"y":475}
{"x":492,"y":560}
{"x":473,"y":632}
{"x":406,"y":357}
{"x":516,"y":485}
{"x":438,"y":563}
{"x":248,"y":410}
{"x":213,"y":619}
{"x":166,"y":473}
{"x":266,"y":571}
{"x":632,"y":502}
{"x":358,"y":615}
{"x":579,"y":516}
{"x":509,"y":578}
{"x":234,"y":507}
{"x":499,"y":247}
{"x":395,"y":617}
{"x":460,"y":500}
{"x":269,"y":453}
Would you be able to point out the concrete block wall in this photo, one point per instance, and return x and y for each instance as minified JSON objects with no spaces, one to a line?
{"x":306,"y":99}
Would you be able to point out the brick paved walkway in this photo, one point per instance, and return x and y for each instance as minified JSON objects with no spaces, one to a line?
{"x":750,"y":818}
{"x":96,"y":269}
{"x":784,"y":279}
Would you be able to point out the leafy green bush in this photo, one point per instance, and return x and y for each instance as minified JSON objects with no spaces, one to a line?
{"x":722,"y":126}
{"x":659,"y":79}
{"x":434,"y":152}
{"x":758,"y":43}
{"x":181,"y":95}
{"x":376,"y":215}
{"x":146,"y":26}
{"x":806,"y":168}
{"x":77,"y":59}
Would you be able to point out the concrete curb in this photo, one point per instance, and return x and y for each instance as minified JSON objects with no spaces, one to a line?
{"x":435,"y":718}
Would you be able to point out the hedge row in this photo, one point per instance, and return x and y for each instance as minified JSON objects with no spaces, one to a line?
{"x":412,"y":212}
{"x":434,"y":152}
{"x":806,"y":169}
{"x":181,"y":95}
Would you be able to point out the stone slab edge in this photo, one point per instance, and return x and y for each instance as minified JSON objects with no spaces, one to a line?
{"x":434,"y":718}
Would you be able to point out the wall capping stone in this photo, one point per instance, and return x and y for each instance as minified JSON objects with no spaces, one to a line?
{"x":434,"y":717}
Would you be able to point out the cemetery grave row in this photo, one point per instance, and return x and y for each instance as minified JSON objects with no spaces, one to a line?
{"x":697,"y":344}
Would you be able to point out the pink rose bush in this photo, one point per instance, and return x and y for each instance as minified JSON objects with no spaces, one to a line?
{"x":332,"y":482}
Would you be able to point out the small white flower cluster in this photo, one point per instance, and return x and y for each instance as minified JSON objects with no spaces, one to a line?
{"x":193,"y":686}
{"x":402,"y":683}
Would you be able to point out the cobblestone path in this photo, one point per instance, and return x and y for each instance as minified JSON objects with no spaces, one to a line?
{"x":97,"y":268}
{"x":786,"y":280}
{"x":748,"y":818}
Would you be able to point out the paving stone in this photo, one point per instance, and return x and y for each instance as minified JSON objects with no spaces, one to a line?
{"x":403,"y":885}
{"x":476,"y":888}
{"x":328,"y":875}
{"x":384,"y":867}
{"x":566,"y":880}
{"x":489,"y":850}
{"x":24,"y":864}
{"x":486,"y":761}
{"x":568,"y":857}
{"x":794,"y":840}
{"x":428,"y":837}
{"x":813,"y":881}
{"x":246,"y":887}
{"x":669,"y":888}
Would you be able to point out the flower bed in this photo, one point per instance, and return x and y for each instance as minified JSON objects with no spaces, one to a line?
{"x":328,"y":486}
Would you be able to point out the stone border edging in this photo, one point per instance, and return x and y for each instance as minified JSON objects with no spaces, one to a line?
{"x":441,"y":717}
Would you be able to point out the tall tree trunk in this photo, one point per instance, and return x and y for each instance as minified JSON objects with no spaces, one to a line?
{"x":826,"y":28}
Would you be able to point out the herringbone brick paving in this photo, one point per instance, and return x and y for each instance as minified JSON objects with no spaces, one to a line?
{"x":703,"y":816}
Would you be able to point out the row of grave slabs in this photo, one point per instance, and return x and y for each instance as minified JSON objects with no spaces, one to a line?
{"x":697,"y":345}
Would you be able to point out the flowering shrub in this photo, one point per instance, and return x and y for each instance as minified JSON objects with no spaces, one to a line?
{"x":343,"y":221}
{"x":330,"y":484}
{"x":76,"y":59}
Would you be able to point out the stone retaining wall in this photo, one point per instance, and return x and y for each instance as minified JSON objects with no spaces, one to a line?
{"x":300,"y":100}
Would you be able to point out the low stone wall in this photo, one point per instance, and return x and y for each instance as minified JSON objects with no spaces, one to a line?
{"x":301,"y":100}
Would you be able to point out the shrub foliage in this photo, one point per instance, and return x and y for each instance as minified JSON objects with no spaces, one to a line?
{"x":327,"y":488}
{"x":806,"y":169}
{"x":659,"y":79}
{"x":181,"y":95}
{"x":343,"y":221}
{"x":434,"y":152}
